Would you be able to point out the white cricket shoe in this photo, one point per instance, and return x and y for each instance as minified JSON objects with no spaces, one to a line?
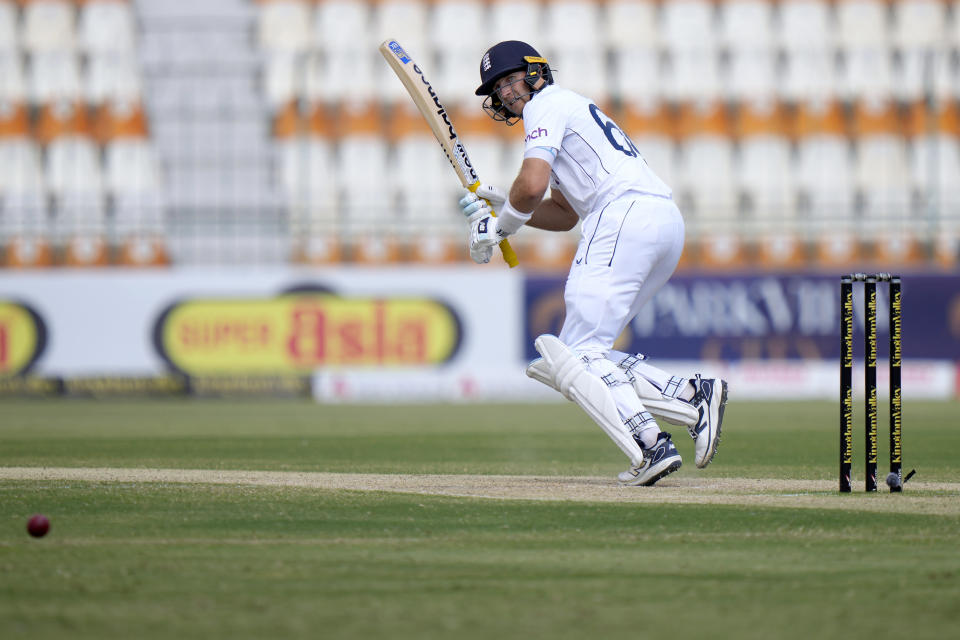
{"x":660,"y":460}
{"x":710,"y":398}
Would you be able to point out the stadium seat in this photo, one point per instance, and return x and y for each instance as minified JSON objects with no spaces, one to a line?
{"x":53,"y":76}
{"x":407,"y":21}
{"x":456,"y":50}
{"x":75,"y":180}
{"x":308,"y":180}
{"x":107,"y":26}
{"x":864,"y":43}
{"x":336,"y":24}
{"x":284,"y":26}
{"x":349,"y":76}
{"x":824,"y":179}
{"x":282,"y":78}
{"x":571,"y":26}
{"x":690,"y":38}
{"x":584,"y":70}
{"x":62,"y":118}
{"x":426,"y":187}
{"x":881,"y":167}
{"x":23,"y":207}
{"x":484,"y":140}
{"x":112,"y":77}
{"x":651,"y":127}
{"x":706,"y":182}
{"x":9,"y":28}
{"x":638,"y":74}
{"x":517,"y":20}
{"x":764,"y":178}
{"x":934,"y":151}
{"x":746,"y":32}
{"x":363,"y":170}
{"x":764,"y":162}
{"x":13,"y":83}
{"x":132,"y":179}
{"x":805,"y":29}
{"x":49,"y":25}
{"x":920,"y":35}
{"x":630,"y":23}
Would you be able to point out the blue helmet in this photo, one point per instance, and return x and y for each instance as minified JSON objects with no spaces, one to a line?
{"x":507,"y":57}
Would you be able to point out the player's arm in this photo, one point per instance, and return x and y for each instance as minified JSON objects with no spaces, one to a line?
{"x":526,"y":194}
{"x":554,"y":214}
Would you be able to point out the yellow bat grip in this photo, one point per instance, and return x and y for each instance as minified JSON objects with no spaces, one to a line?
{"x":509,"y":255}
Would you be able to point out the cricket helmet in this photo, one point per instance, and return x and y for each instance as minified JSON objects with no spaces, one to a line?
{"x":507,"y":57}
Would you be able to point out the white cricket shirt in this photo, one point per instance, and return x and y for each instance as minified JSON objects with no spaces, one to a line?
{"x":596,"y":163}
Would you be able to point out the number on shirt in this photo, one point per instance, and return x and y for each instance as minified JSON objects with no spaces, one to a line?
{"x":609,"y":129}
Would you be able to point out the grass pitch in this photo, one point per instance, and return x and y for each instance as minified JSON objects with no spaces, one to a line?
{"x":186,"y":559}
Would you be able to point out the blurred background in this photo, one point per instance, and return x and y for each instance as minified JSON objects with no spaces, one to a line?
{"x":154,"y":152}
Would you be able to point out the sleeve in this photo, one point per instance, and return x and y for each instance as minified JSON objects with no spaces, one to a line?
{"x":544,"y":124}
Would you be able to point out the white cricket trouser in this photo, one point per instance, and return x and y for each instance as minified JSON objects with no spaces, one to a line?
{"x":627,"y":251}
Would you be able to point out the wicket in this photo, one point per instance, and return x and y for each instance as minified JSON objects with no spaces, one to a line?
{"x":870,"y":378}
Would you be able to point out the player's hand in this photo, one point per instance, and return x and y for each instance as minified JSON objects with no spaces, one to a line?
{"x":485,"y":234}
{"x":494,"y":195}
{"x":473,"y":207}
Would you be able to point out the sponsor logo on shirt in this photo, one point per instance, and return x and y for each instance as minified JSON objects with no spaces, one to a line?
{"x":534,"y":135}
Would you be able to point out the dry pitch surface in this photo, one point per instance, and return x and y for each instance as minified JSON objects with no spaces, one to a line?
{"x":919,"y":497}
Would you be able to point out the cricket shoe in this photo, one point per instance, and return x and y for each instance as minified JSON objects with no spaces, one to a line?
{"x":660,"y":460}
{"x":710,"y":399}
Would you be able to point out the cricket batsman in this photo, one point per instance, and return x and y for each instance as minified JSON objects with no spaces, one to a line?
{"x":632,"y":235}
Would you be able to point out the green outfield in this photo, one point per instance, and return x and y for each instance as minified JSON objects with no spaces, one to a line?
{"x":352,"y":522}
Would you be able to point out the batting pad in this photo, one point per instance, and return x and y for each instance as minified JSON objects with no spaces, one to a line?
{"x":673,"y":410}
{"x":571,"y":377}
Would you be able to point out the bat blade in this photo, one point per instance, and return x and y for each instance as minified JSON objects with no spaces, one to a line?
{"x":428,"y":104}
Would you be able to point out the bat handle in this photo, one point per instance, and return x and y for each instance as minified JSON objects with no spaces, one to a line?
{"x":509,"y":255}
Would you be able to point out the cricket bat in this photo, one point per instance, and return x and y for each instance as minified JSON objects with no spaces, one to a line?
{"x":425,"y":97}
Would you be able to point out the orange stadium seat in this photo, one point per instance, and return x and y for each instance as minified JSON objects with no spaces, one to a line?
{"x":367,"y":204}
{"x":706,"y":183}
{"x":23,"y":208}
{"x":765,"y":178}
{"x":426,"y":188}
{"x":934,"y":140}
{"x":824,"y":157}
{"x":308,"y":183}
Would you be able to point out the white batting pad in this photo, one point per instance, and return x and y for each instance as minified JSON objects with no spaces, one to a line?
{"x":540,"y":371}
{"x":673,"y":410}
{"x":571,"y":377}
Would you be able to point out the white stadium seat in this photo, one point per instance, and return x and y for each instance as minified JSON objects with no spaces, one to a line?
{"x":637,"y":74}
{"x":631,"y":23}
{"x":109,"y":76}
{"x":107,"y":26}
{"x":9,"y":28}
{"x":49,"y":25}
{"x":571,"y":25}
{"x":336,"y":24}
{"x":13,"y":82}
{"x":407,"y":21}
{"x":131,"y":166}
{"x":54,"y":75}
{"x":517,"y":20}
{"x":284,"y":25}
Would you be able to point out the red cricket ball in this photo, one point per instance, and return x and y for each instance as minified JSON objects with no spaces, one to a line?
{"x":38,"y":526}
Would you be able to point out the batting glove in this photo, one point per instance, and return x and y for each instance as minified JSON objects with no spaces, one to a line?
{"x":473,"y":207}
{"x":494,"y":195}
{"x":485,"y":234}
